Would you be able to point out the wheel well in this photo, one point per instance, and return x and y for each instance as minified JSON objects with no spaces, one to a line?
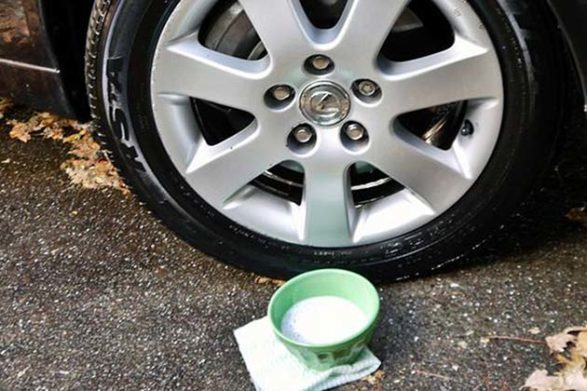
{"x":67,"y":22}
{"x":571,"y":107}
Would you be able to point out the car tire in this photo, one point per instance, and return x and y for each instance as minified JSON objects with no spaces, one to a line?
{"x":122,"y":39}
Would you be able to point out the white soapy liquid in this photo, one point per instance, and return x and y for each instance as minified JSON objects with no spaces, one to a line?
{"x":322,"y":320}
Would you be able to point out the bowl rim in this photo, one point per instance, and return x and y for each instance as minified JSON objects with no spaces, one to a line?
{"x":368,"y":325}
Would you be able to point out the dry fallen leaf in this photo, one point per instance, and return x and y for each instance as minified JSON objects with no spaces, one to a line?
{"x":44,"y":124}
{"x":21,"y":132}
{"x":93,"y":174}
{"x":576,"y":381}
{"x":83,"y":146}
{"x":540,"y":381}
{"x":89,"y":166}
{"x":581,"y":344}
{"x":266,"y":280}
{"x":376,"y":378}
{"x":569,"y":349}
{"x":53,"y":133}
{"x":578,"y":215}
{"x":558,"y":343}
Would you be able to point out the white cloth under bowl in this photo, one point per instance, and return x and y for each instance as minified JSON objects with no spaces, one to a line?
{"x":273,"y":368}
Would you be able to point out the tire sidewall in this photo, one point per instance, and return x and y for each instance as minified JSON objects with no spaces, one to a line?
{"x":130,"y":34}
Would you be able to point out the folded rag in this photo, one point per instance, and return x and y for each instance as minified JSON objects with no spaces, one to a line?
{"x":273,"y":368}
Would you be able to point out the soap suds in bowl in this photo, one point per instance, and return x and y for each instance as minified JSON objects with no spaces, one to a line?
{"x":322,"y":320}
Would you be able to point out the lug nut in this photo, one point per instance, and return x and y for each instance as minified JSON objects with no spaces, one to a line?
{"x":367,"y":88}
{"x":282,"y":93}
{"x":354,"y":131}
{"x":303,"y":134}
{"x":319,"y":63}
{"x":468,"y":129}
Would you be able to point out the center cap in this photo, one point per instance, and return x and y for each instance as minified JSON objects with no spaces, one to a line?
{"x":325,"y":103}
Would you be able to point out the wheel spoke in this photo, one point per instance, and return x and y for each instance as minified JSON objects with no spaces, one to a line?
{"x":185,"y":67}
{"x":220,"y":171}
{"x":282,"y":26}
{"x":435,"y":176}
{"x":365,"y":25}
{"x":464,"y":72}
{"x":328,"y":205}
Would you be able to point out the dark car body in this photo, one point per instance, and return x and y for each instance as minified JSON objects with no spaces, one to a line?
{"x":42,"y":46}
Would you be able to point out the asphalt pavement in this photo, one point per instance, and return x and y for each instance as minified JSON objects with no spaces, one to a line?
{"x":96,"y":294}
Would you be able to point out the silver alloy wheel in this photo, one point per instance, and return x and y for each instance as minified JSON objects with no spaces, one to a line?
{"x":434,"y":179}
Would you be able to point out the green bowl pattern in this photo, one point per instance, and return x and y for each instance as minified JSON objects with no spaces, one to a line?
{"x":327,"y":282}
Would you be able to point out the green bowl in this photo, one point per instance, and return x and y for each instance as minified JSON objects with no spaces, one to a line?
{"x":327,"y":282}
